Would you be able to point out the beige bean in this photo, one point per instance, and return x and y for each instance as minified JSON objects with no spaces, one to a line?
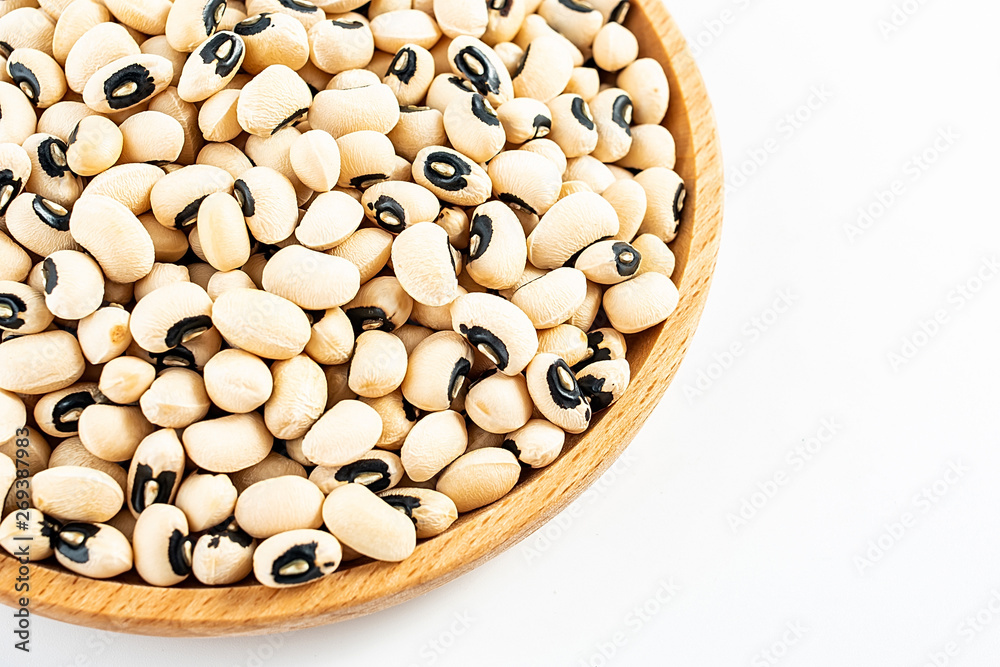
{"x":497,"y":328}
{"x":228,"y":444}
{"x":95,"y":550}
{"x":368,"y":249}
{"x":499,"y":403}
{"x":367,"y":524}
{"x":28,"y":534}
{"x":296,"y":557}
{"x":125,"y":379}
{"x":665,"y":197}
{"x":343,"y":434}
{"x":176,"y":399}
{"x":479,"y":477}
{"x":298,"y":398}
{"x":275,"y":99}
{"x":162,"y":548}
{"x":537,"y":444}
{"x":40,"y":363}
{"x":57,"y":413}
{"x":398,"y":417}
{"x":155,"y":471}
{"x":394,"y":30}
{"x":261,"y":323}
{"x":656,"y":255}
{"x":273,"y":38}
{"x":74,"y":493}
{"x":437,"y":370}
{"x":341,"y":44}
{"x":224,"y":555}
{"x":206,"y":500}
{"x":377,"y":470}
{"x":525,"y":180}
{"x":311,"y":279}
{"x":237,"y":381}
{"x":279,"y":504}
{"x":113,"y":432}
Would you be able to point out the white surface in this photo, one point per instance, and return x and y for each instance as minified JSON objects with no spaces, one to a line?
{"x":660,"y":526}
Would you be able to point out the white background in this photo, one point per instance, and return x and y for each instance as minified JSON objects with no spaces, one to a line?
{"x":869,"y":553}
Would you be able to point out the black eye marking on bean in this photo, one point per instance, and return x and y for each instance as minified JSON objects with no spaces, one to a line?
{"x":451,"y":255}
{"x":10,"y":188}
{"x":593,"y":388}
{"x":175,"y":553}
{"x":347,"y":25}
{"x":77,"y":553}
{"x":24,"y":77}
{"x":511,"y":447}
{"x":386,"y":204}
{"x":16,"y":306}
{"x":484,"y":82}
{"x":678,"y":198}
{"x":453,"y":183}
{"x":410,"y":411}
{"x":520,"y":65}
{"x":352,"y":471}
{"x":208,"y":16}
{"x":179,"y":357}
{"x":479,"y":336}
{"x":540,"y":123}
{"x":299,"y":6}
{"x":411,"y":108}
{"x":134,"y":74}
{"x":594,"y":340}
{"x":50,"y":529}
{"x":52,"y":163}
{"x":66,"y":412}
{"x":188,"y":214}
{"x":229,"y":530}
{"x":5,"y":49}
{"x":502,"y":6}
{"x":144,"y":475}
{"x":50,"y":275}
{"x":403,"y":503}
{"x":482,"y":227}
{"x":579,"y":109}
{"x":253,"y":25}
{"x":365,"y":181}
{"x":567,"y":399}
{"x":627,"y":266}
{"x":514,"y":200}
{"x":459,"y":373}
{"x":232,"y":57}
{"x":409,"y":67}
{"x":459,"y":82}
{"x":57,"y":221}
{"x":622,"y":104}
{"x":185,"y":327}
{"x":576,"y":6}
{"x":303,"y":552}
{"x":619,"y":12}
{"x":291,"y":120}
{"x":480,"y":111}
{"x":369,"y":318}
{"x":244,"y":197}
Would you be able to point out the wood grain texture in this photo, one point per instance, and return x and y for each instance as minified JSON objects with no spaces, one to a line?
{"x":127,"y":605}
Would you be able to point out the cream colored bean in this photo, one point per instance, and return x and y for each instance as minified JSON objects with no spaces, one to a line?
{"x":237,"y":381}
{"x":479,"y":478}
{"x":114,"y":236}
{"x":125,"y":379}
{"x":367,"y":524}
{"x":28,"y":534}
{"x":51,"y":177}
{"x":641,"y":303}
{"x":566,"y":341}
{"x":74,"y":493}
{"x":36,"y":451}
{"x":296,"y":557}
{"x":497,"y":328}
{"x":40,"y":363}
{"x":341,"y":44}
{"x":556,"y":393}
{"x":377,"y":470}
{"x":629,"y":200}
{"x":113,"y":432}
{"x":585,"y":82}
{"x":23,"y":309}
{"x":568,"y":227}
{"x":665,"y":196}
{"x":261,"y":323}
{"x":525,"y":180}
{"x":162,"y":547}
{"x":298,"y":398}
{"x":537,"y":444}
{"x":367,"y":108}
{"x":545,"y":70}
{"x":398,"y":417}
{"x":437,"y":371}
{"x":176,"y":399}
{"x":315,"y":158}
{"x":279,"y":504}
{"x":58,"y":412}
{"x":71,"y":452}
{"x":94,"y":550}
{"x":228,"y":444}
{"x":38,"y":75}
{"x":343,"y":434}
{"x":647,"y":85}
{"x":273,"y":38}
{"x":656,"y":255}
{"x":393,"y":30}
{"x":127,"y":82}
{"x":381,"y":304}
{"x":222,"y":556}
{"x":275,"y":99}
{"x":366,"y":158}
{"x":368,"y":249}
{"x":191,"y":22}
{"x":424,"y":264}
{"x":311,"y":279}
{"x":211,"y":66}
{"x":12,"y":414}
{"x":206,"y":500}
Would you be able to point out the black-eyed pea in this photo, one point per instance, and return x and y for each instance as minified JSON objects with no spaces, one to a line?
{"x":267,"y":201}
{"x":162,"y":545}
{"x":505,"y":19}
{"x":378,"y":365}
{"x":296,"y":557}
{"x":225,"y":156}
{"x":185,"y":113}
{"x":366,"y":108}
{"x":629,"y":200}
{"x":28,"y":534}
{"x":234,"y":14}
{"x":497,"y":328}
{"x":609,"y":262}
{"x":104,"y":335}
{"x":432,"y":512}
{"x":315,"y":158}
{"x":377,"y":470}
{"x":222,"y":232}
{"x":40,"y":363}
{"x":297,"y":399}
{"x":437,"y":318}
{"x":458,"y":17}
{"x":417,"y":127}
{"x":410,"y":74}
{"x":71,"y":452}
{"x":332,"y":218}
{"x":375,"y":8}
{"x":217,"y":116}
{"x":537,"y":444}
{"x":12,"y":414}
{"x":223,"y":555}
{"x":95,"y":550}
{"x":425,"y":265}
{"x":368,"y":249}
{"x":380,"y":305}
{"x":571,"y":225}
{"x":125,"y":379}
{"x":482,"y":68}
{"x":497,"y":251}
{"x":311,"y":279}
{"x":525,"y":119}
{"x":640,"y":303}
{"x":307,"y":13}
{"x":353,"y":78}
{"x":194,"y":354}
{"x":127,"y":82}
{"x":76,"y":493}
{"x":279,"y":504}
{"x":549,"y":150}
{"x":177,"y":197}
{"x":556,"y":393}
{"x":223,"y":281}
{"x":274,"y":465}
{"x":453,"y":177}
{"x":206,"y":499}
{"x":479,"y":477}
{"x":146,"y":16}
{"x":51,"y":177}
{"x":572,"y":187}
{"x":398,"y":417}
{"x":393,"y":30}
{"x":343,"y":434}
{"x":396,"y":205}
{"x":473,"y":127}
{"x":367,"y":524}
{"x":160,"y":46}
{"x":74,"y":21}
{"x":455,"y":222}
{"x":437,"y":371}
{"x":499,"y":403}
{"x":237,"y":381}
{"x":525,"y":180}
{"x":615,"y":47}
{"x":511,"y":54}
{"x":273,"y":38}
{"x":211,"y":66}
{"x":275,"y":99}
{"x":26,"y":27}
{"x":191,"y":22}
{"x":38,"y":76}
{"x":566,"y":341}
{"x":434,"y":441}
{"x":58,"y":413}
{"x":545,"y":70}
{"x":656,"y":255}
{"x":578,"y":21}
{"x":652,"y":146}
{"x":110,"y":232}
{"x":665,"y":196}
{"x":366,"y":158}
{"x":332,"y":340}
{"x":16,"y":123}
{"x":573,"y":127}
{"x":99,"y":45}
{"x":229,"y":443}
{"x":412,"y":335}
{"x":340,"y":44}
{"x":585,"y":82}
{"x":445,"y":88}
{"x":612,"y":111}
{"x":647,"y":85}
{"x":604,"y":382}
{"x":15,"y":169}
{"x":170,"y":316}
{"x":154,"y":474}
{"x":176,"y":399}
{"x":130,"y":184}
{"x":23,"y":309}
{"x":151,"y":136}
{"x":36,"y":451}
{"x":39,"y":225}
{"x":112,"y":432}
{"x":553,"y":298}
{"x":15,"y":264}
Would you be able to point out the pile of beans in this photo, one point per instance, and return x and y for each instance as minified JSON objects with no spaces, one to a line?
{"x":284,"y":285}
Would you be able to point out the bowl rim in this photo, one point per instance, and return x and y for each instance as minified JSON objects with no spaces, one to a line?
{"x":359,"y":590}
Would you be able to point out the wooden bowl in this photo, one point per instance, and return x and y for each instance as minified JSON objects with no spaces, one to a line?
{"x":128,"y":605}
